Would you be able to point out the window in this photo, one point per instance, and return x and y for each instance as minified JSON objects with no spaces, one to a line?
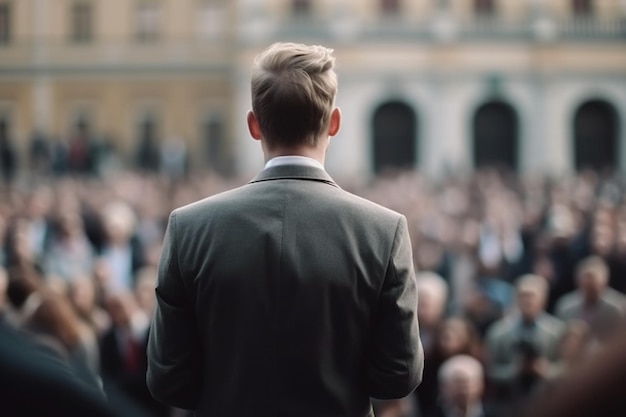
{"x":390,"y":7}
{"x":5,"y":23}
{"x":301,"y":7}
{"x":148,"y":20}
{"x":581,"y":8}
{"x":484,"y":7}
{"x":82,"y":22}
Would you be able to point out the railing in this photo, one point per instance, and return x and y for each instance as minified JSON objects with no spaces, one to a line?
{"x":444,"y":27}
{"x":114,"y":55}
{"x":589,"y":28}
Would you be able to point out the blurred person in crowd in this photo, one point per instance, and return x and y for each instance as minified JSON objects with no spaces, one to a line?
{"x":8,"y":154}
{"x":562,"y":231}
{"x":298,"y":298}
{"x":144,"y":289}
{"x":150,"y":219}
{"x":594,"y":388}
{"x":521,"y":348}
{"x":18,"y":249}
{"x":500,"y":243}
{"x":431,"y":307}
{"x":464,"y":264}
{"x":40,"y":153}
{"x":488,"y":298}
{"x":174,"y":159}
{"x":123,"y":353}
{"x":601,"y":307}
{"x":52,"y":321}
{"x":461,"y":382}
{"x":69,"y":253}
{"x":82,"y":293}
{"x":147,"y":153}
{"x":430,"y":256}
{"x":574,"y":348}
{"x":617,"y":279}
{"x":38,"y":227}
{"x":454,"y":336}
{"x":122,"y":252}
{"x":23,"y":281}
{"x":3,"y":238}
{"x":4,"y":284}
{"x":35,"y":382}
{"x":80,"y":156}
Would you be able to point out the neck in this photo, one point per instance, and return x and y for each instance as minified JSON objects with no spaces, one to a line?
{"x":314,"y":152}
{"x":590,"y":301}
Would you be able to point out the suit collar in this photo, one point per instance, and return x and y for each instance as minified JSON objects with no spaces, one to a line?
{"x":294,"y":172}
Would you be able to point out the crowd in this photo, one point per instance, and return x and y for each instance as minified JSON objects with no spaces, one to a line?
{"x":521,"y":279}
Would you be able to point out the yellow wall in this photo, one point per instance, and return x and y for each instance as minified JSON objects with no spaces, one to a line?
{"x":512,"y":11}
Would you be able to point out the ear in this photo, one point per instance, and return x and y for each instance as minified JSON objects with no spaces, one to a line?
{"x":253,"y":126}
{"x":335,"y":122}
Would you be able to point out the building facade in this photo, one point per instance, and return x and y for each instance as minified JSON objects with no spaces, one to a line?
{"x":438,"y":85}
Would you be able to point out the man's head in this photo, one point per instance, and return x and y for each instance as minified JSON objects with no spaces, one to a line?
{"x":592,"y":276}
{"x":461,"y":382}
{"x":293,"y":94}
{"x":532,"y":291}
{"x":432,"y":296}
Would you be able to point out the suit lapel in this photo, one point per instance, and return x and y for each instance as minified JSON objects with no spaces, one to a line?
{"x":294,"y":172}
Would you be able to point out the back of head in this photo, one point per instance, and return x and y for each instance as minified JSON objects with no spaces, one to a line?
{"x":293,"y":91}
{"x":592,"y":274}
{"x":532,"y":291}
{"x":432,"y":298}
{"x":461,"y":381}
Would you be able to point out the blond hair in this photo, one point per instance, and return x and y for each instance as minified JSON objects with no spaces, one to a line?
{"x":293,"y":92}
{"x":460,"y":363}
{"x":532,"y":282}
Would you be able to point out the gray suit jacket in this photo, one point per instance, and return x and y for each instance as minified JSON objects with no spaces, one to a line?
{"x":502,"y":345}
{"x":607,"y":313}
{"x":285,"y":297}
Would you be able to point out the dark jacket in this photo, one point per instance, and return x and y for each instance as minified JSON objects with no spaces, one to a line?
{"x":36,"y":381}
{"x":287,"y":296}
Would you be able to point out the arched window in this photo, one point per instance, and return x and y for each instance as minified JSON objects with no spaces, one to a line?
{"x":495,"y":134}
{"x":394,"y":137}
{"x":582,"y":8}
{"x":301,"y":7}
{"x":596,"y":136}
{"x":82,"y":22}
{"x":390,"y":7}
{"x":214,"y":141}
{"x":484,"y":7}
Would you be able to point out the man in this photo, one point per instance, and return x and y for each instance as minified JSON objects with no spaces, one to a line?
{"x":287,"y":296}
{"x":594,"y":302}
{"x":461,"y":384}
{"x":123,"y":354}
{"x":432,"y":301}
{"x":36,"y":381}
{"x":522,"y":347}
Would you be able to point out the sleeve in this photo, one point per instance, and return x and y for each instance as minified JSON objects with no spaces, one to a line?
{"x":396,"y":356}
{"x":174,"y":360}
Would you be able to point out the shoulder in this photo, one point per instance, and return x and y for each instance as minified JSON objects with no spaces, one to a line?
{"x":614,"y":298}
{"x":500,"y":328}
{"x":551,"y":324}
{"x":568,"y":302}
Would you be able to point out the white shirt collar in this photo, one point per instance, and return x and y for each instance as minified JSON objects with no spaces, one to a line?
{"x":293,"y":160}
